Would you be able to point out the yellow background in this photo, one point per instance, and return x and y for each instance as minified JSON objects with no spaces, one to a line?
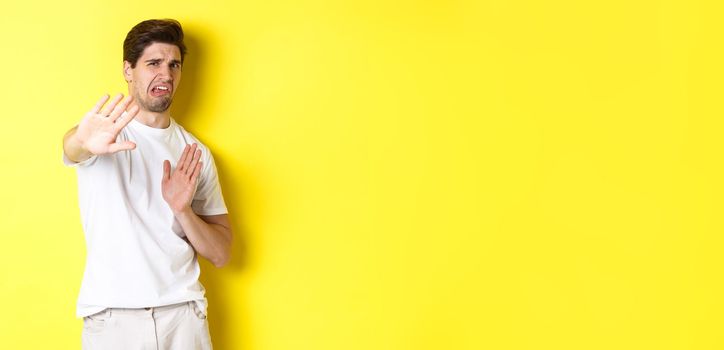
{"x":401,"y":174}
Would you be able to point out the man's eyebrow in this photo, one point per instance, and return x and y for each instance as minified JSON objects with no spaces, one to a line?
{"x":156,"y":60}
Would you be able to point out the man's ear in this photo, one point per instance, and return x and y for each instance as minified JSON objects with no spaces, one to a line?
{"x":127,"y":70}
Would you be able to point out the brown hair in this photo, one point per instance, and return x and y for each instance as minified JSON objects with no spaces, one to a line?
{"x":151,"y":31}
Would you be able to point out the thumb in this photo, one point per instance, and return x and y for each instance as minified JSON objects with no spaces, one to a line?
{"x":121,"y":146}
{"x":166,"y":170}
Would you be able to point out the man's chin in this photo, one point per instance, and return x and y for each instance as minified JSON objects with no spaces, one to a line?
{"x":159,"y":106}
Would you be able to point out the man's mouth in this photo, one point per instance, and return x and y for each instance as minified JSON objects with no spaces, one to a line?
{"x":160,"y":90}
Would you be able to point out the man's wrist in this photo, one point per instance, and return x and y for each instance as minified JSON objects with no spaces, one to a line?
{"x":186,"y":211}
{"x":77,"y":153}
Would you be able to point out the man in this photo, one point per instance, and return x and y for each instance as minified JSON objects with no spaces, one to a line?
{"x":150,"y":201}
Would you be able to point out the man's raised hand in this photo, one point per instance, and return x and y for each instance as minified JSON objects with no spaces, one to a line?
{"x":178,"y":187}
{"x":98,"y":130}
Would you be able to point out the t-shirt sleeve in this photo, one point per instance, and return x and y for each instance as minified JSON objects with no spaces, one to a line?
{"x":208,"y":199}
{"x":68,"y":162}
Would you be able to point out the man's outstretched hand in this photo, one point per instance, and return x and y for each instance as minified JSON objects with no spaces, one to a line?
{"x":97,"y":132}
{"x":178,"y":187}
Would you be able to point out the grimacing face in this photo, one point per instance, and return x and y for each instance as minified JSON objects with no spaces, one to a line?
{"x":154,"y":80}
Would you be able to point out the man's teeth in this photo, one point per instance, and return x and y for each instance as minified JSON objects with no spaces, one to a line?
{"x":162,"y":88}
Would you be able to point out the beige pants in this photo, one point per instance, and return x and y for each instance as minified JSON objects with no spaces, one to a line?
{"x":177,"y":327}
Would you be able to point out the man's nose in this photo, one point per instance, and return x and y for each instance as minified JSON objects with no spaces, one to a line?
{"x":165,"y":72}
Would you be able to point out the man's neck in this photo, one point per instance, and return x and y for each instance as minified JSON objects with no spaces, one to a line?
{"x":154,"y":120}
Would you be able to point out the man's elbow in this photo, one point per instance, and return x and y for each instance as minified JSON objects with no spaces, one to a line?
{"x":222,"y":257}
{"x":221,"y":261}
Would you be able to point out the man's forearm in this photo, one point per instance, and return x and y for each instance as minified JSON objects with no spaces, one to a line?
{"x":210,"y":240}
{"x":73,"y":148}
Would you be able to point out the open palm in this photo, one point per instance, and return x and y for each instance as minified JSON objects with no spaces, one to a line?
{"x":178,"y":187}
{"x":99,"y":129}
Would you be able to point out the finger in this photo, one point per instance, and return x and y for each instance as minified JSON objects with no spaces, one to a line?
{"x":121,"y":146}
{"x":99,"y":104}
{"x":194,"y":161}
{"x":182,"y":161}
{"x":166,"y":170}
{"x":126,"y":118}
{"x":109,"y":107}
{"x":192,"y":153}
{"x":120,"y":108}
{"x":196,"y":173}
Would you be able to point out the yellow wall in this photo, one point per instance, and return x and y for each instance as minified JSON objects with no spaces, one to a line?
{"x":401,"y":174}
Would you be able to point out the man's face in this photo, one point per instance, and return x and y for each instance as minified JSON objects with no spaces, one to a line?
{"x":154,"y":80}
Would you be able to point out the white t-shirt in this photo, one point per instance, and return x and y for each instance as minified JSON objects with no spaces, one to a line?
{"x":137,"y":253}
